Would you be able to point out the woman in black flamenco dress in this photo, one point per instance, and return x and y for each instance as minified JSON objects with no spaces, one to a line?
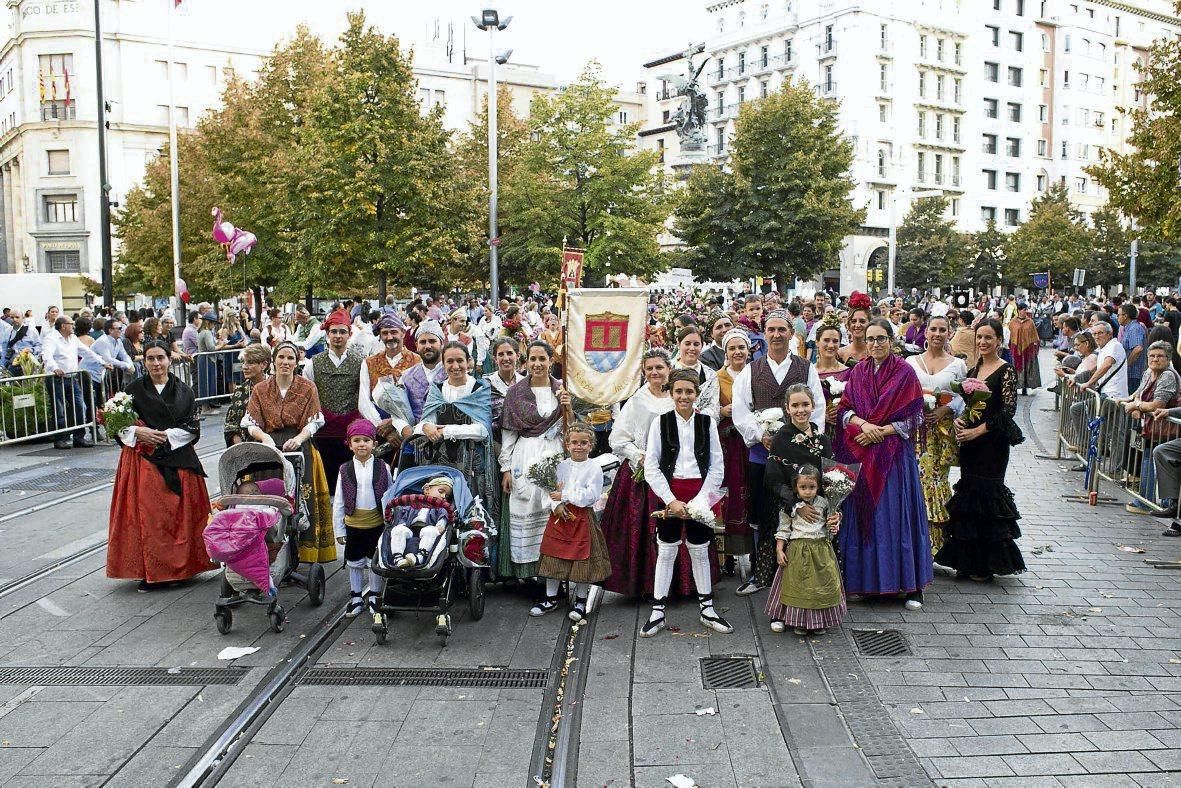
{"x":983,"y":515}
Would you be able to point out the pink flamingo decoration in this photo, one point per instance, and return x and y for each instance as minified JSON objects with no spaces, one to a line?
{"x":233,"y":239}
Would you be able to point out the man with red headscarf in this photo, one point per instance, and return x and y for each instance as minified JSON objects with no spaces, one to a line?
{"x":337,"y":375}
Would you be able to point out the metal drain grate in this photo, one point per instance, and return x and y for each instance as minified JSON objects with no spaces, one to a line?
{"x":880,"y":643}
{"x":59,"y":479}
{"x":52,"y":676}
{"x":428,"y":677}
{"x":729,"y":673}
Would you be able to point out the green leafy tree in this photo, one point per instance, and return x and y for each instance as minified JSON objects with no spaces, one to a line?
{"x":930,"y":250}
{"x":1111,"y":246}
{"x":1143,"y":183}
{"x":1055,"y":239}
{"x":985,"y":258}
{"x":578,"y":179}
{"x":378,"y":176}
{"x":782,"y":207}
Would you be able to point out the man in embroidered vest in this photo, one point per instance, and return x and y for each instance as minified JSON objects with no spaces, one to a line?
{"x":383,"y":371}
{"x":337,"y":375}
{"x":760,"y":386}
{"x":418,"y":379}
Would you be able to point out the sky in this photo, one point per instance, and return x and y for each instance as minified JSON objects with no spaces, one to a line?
{"x":559,"y":36}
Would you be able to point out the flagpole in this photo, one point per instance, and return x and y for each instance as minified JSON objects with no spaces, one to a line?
{"x":104,"y":188}
{"x":173,"y":160}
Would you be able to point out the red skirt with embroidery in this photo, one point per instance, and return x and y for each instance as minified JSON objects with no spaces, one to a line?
{"x":154,"y":534}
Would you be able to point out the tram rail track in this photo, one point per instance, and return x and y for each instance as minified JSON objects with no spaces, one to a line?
{"x":12,"y":586}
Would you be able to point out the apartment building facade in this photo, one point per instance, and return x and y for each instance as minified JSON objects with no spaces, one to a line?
{"x":986,"y":102}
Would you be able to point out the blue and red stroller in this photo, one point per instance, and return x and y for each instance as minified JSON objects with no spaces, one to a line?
{"x":460,"y":568}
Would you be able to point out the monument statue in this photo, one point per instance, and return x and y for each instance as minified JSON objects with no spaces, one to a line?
{"x":690,"y":116}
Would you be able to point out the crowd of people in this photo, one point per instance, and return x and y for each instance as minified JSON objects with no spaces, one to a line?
{"x":724,"y":449}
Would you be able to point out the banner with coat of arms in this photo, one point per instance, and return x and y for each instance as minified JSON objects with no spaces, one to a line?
{"x":605,"y":343}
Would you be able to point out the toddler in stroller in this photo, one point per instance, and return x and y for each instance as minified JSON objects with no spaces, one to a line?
{"x":255,"y":532}
{"x":429,"y":514}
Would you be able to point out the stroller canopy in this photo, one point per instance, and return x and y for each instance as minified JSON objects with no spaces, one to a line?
{"x":412,"y":480}
{"x":243,"y":457}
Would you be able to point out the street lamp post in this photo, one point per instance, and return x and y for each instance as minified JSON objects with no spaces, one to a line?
{"x":104,"y":188}
{"x":489,"y":20}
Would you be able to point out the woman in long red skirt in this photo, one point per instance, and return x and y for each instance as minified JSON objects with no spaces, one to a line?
{"x":160,"y":506}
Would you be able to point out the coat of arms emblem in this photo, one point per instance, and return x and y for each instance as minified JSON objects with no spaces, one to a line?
{"x":606,"y":340}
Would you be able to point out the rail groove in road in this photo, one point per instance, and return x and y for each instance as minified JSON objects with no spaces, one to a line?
{"x":12,"y":586}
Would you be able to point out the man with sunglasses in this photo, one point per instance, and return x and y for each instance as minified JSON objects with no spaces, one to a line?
{"x":61,"y":351}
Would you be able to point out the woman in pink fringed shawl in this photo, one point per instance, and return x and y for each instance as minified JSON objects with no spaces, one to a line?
{"x":885,"y":542}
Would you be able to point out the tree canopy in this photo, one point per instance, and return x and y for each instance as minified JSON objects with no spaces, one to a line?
{"x":782,"y":204}
{"x":930,"y":250}
{"x":1055,"y":239}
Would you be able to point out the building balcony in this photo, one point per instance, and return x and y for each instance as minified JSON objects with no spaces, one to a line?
{"x":58,"y":111}
{"x":827,"y":49}
{"x":827,"y":89}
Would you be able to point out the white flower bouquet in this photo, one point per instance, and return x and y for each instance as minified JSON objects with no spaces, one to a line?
{"x":770,"y":420}
{"x":699,"y":511}
{"x":839,"y":480}
{"x":835,"y":387}
{"x":118,"y":413}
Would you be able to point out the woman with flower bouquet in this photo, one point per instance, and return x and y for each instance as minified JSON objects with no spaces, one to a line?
{"x":798,"y":444}
{"x":531,"y":423}
{"x":160,"y":506}
{"x":982,"y":525}
{"x":934,"y":442}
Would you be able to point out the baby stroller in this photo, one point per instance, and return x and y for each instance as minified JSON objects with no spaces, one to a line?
{"x":277,"y":476}
{"x":460,"y":567}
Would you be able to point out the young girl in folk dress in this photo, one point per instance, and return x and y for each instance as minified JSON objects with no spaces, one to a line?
{"x":811,"y":586}
{"x":573,"y":548}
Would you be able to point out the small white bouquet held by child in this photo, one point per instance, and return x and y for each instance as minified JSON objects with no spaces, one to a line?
{"x":704,"y":512}
{"x":839,"y":480}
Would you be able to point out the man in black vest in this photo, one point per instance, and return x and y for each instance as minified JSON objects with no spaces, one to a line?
{"x":761,"y":386}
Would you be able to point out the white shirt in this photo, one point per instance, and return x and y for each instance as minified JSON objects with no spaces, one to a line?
{"x":743,"y":400}
{"x":629,"y":434}
{"x":581,"y":483}
{"x":456,"y":432}
{"x":176,"y":436}
{"x":365,"y":499}
{"x":685,"y":466}
{"x":369,"y":394}
{"x":364,"y":341}
{"x":62,"y":353}
{"x":1116,"y":386}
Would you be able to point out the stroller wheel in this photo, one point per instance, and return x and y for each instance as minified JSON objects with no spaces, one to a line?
{"x":278,"y":618}
{"x":475,"y":593}
{"x":224,"y":618}
{"x":316,"y":585}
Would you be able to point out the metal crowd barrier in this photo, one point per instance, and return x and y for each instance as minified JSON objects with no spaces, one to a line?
{"x":211,"y":375}
{"x":1102,"y":436}
{"x":45,"y":405}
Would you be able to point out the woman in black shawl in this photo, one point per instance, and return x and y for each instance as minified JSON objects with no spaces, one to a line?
{"x":160,"y":506}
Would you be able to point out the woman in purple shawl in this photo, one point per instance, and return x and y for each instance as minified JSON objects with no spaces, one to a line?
{"x":530,"y":424}
{"x":885,"y":542}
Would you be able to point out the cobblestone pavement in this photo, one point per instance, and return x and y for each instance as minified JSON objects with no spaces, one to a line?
{"x":1067,"y":675}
